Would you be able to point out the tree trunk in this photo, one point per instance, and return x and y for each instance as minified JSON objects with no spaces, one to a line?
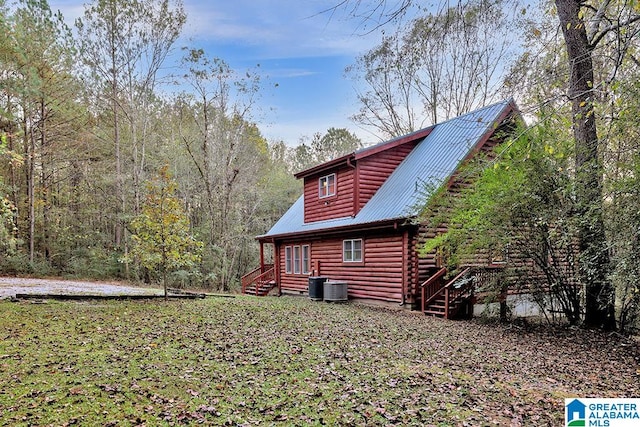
{"x":29,"y":156}
{"x":593,"y":257}
{"x":113,"y":71}
{"x":14,"y":171}
{"x":46,"y":201}
{"x":164,"y":282}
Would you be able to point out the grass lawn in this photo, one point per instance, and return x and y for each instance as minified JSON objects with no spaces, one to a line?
{"x":291,"y":361}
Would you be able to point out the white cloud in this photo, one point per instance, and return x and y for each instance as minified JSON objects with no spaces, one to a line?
{"x":283,"y":73}
{"x":298,"y":46}
{"x":277,"y":29}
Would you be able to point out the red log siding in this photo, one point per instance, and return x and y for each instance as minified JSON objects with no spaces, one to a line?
{"x":427,"y":263}
{"x":373,"y":171}
{"x":413,"y":273}
{"x":338,"y":206}
{"x":379,"y":277}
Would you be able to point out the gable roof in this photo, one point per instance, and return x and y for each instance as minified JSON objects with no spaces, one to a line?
{"x":427,"y":167}
{"x":365,"y":152}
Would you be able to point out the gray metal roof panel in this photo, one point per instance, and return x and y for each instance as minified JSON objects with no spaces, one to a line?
{"x":426,"y":168}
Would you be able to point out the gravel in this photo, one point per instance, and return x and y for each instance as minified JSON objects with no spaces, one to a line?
{"x":10,"y":286}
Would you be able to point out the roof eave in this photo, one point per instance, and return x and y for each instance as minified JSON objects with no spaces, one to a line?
{"x":393,"y":222}
{"x":324,"y":166}
{"x":508,"y":110}
{"x":366,"y":152}
{"x":412,"y":137}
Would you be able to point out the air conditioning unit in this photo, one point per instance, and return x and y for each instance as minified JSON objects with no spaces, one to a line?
{"x":316,"y":287}
{"x":335,"y":291}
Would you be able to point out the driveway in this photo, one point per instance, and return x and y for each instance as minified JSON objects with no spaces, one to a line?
{"x":10,"y":286}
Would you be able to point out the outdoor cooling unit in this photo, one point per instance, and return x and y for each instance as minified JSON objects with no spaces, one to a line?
{"x":335,"y":291}
{"x":316,"y":287}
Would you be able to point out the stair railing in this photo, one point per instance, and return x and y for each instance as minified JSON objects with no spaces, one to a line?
{"x":457,"y":288}
{"x":462,"y":286}
{"x":267,"y":276}
{"x":431,"y":287}
{"x":251,"y":277}
{"x":248,"y":278}
{"x":256,"y":278}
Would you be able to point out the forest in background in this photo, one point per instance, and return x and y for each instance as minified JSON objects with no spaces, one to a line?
{"x":88,"y":119}
{"x":87,"y":122}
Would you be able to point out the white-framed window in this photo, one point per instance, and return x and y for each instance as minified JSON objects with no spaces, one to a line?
{"x":296,"y":260}
{"x":352,"y":250}
{"x":288,"y":259}
{"x":500,"y":255}
{"x":306,"y":259}
{"x":327,"y":186}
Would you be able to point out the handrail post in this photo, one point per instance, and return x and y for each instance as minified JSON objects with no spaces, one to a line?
{"x":446,"y":302}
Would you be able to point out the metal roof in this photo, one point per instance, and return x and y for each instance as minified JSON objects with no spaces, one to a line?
{"x":424,"y":170}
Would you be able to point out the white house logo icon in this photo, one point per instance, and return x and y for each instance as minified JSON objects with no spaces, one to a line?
{"x":602,"y":412}
{"x":575,"y":413}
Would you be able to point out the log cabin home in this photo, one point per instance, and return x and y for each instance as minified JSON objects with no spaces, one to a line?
{"x":356,"y":221}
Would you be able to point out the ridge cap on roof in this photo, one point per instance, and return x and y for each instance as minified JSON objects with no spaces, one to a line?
{"x":418,"y":133}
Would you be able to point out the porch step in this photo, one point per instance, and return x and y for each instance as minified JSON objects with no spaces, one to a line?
{"x":437,"y":308}
{"x":260,"y":289}
{"x":259,"y":282}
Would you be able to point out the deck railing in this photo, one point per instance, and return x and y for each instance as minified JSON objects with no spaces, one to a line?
{"x":258,"y":276}
{"x":431,"y":287}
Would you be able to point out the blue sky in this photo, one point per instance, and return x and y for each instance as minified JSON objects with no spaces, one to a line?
{"x":297,"y":46}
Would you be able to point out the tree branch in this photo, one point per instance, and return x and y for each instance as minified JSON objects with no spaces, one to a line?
{"x":597,"y":18}
{"x":596,"y":38}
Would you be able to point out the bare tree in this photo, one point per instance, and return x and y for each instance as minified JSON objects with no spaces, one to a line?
{"x":124,"y":44}
{"x":228,"y":152}
{"x":444,"y":64}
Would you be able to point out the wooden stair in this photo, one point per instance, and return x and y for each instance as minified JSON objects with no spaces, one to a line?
{"x":260,"y":289}
{"x":259,"y":282}
{"x":458,"y":308}
{"x":448,"y":299}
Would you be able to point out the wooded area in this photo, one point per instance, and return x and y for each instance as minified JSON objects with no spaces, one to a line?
{"x":89,"y":116}
{"x":87,"y":119}
{"x":562,"y":191}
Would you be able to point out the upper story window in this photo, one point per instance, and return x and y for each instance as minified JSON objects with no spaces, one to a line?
{"x":327,"y":185}
{"x":352,"y":250}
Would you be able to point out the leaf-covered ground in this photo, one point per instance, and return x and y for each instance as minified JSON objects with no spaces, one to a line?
{"x":291,"y":361}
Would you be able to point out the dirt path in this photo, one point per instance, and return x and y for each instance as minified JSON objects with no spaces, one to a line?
{"x":10,"y":286}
